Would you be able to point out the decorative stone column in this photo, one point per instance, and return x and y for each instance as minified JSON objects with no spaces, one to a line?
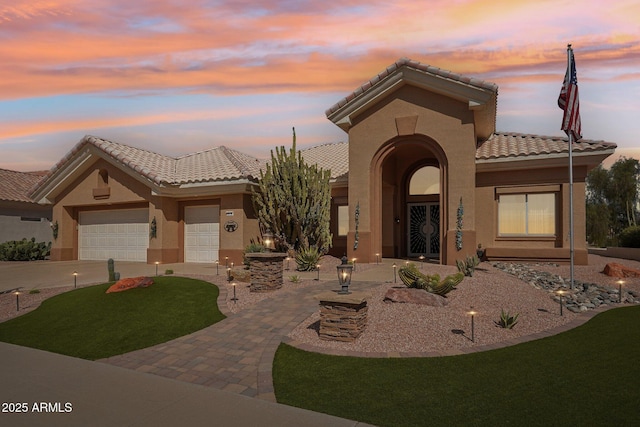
{"x":342,"y":317}
{"x":266,"y":270}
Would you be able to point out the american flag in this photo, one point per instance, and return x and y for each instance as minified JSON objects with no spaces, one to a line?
{"x":568,"y":100}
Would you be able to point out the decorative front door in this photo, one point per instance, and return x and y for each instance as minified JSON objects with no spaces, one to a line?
{"x":424,"y":229}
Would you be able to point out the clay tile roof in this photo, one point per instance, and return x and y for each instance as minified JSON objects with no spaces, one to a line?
{"x":217,"y":164}
{"x":16,"y":185}
{"x":329,"y":156}
{"x":521,"y":146}
{"x":406,"y":62}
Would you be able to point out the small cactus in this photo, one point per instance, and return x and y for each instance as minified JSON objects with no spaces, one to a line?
{"x":111,"y":268}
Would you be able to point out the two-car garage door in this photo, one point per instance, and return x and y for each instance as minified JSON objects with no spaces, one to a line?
{"x":121,"y":234}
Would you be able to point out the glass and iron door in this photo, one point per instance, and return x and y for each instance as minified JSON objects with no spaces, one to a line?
{"x":423,"y":221}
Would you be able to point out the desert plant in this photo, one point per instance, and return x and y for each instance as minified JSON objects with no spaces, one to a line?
{"x":252,"y":248}
{"x":111,"y":270}
{"x":468,"y":266}
{"x":413,"y":278}
{"x":34,"y":291}
{"x":24,"y":250}
{"x":307,"y":259}
{"x":168,"y":271}
{"x":294,"y":279}
{"x":507,"y":321}
{"x":294,"y":200}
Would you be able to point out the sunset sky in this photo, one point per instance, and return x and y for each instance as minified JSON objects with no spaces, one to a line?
{"x":176,"y":76}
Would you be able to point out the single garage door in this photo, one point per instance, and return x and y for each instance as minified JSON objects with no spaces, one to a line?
{"x":121,"y":234}
{"x":201,"y":233}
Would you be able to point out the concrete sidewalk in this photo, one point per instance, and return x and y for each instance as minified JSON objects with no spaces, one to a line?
{"x":83,"y":393}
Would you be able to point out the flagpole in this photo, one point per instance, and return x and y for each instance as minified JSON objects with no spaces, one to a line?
{"x":571,"y":239}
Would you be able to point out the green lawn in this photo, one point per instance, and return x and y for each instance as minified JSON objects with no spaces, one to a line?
{"x":91,"y":324}
{"x":589,"y":376}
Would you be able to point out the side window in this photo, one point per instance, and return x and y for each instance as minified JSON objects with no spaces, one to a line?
{"x":532,"y":214}
{"x":343,"y":220}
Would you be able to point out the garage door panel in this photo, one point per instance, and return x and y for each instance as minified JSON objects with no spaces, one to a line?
{"x":118,"y":234}
{"x":201,"y":233}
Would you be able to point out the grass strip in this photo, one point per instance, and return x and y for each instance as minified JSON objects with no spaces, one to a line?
{"x":91,"y":324}
{"x":586,"y":376}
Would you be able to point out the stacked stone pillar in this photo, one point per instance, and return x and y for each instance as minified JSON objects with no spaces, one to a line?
{"x":342,"y":317}
{"x":266,"y":271}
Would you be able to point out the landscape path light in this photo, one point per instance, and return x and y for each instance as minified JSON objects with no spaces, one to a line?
{"x":75,"y":279}
{"x":421,"y":262}
{"x":620,"y":283}
{"x":394,"y":272}
{"x":157,"y":262}
{"x":226,"y":261}
{"x":318,"y":269}
{"x":228,"y":274}
{"x":377,"y":259}
{"x":472,"y":313}
{"x":561,"y":293}
{"x":344,"y":276}
{"x":234,"y":299}
{"x":288,"y":263}
{"x":17,"y":300}
{"x":354,"y":263}
{"x":217,"y":267}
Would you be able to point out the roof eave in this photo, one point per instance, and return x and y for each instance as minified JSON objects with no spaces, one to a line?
{"x":589,"y":158}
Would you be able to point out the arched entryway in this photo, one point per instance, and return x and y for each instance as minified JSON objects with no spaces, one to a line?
{"x":409,"y":176}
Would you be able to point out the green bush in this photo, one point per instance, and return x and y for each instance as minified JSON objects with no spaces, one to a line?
{"x":252,"y":248}
{"x":307,"y":259}
{"x":24,"y":250}
{"x":630,"y":237}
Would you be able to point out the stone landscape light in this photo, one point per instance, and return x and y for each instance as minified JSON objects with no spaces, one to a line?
{"x":75,"y":279}
{"x":472,"y":313}
{"x":561,"y":292}
{"x":344,"y":276}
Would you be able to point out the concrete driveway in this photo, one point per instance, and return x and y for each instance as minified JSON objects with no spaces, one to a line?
{"x":46,"y":274}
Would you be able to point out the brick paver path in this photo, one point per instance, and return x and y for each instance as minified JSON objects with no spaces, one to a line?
{"x":237,"y":353}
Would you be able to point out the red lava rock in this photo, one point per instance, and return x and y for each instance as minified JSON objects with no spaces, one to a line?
{"x":414,"y":296}
{"x":130,"y":283}
{"x":613,"y":269}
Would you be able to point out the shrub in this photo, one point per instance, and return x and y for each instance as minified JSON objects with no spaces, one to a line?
{"x":34,"y":291}
{"x":252,"y":248}
{"x":294,"y":279}
{"x":630,"y":237}
{"x":307,"y":259}
{"x":468,"y":266}
{"x":24,"y":250}
{"x":507,"y":321}
{"x":168,"y":271}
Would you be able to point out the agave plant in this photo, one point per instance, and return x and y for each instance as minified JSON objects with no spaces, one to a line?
{"x":507,"y":321}
{"x":307,"y":259}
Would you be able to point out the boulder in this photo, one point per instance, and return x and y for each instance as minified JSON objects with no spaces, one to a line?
{"x":613,"y":269}
{"x":414,"y":296}
{"x":130,"y":283}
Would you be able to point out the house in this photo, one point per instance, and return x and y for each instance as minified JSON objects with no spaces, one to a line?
{"x":424,"y":173}
{"x":21,"y":217}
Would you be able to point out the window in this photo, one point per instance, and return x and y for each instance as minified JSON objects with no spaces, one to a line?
{"x":343,"y":220}
{"x":425,"y":180}
{"x":527,"y":214}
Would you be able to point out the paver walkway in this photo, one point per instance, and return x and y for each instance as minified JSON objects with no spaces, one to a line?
{"x":237,"y":353}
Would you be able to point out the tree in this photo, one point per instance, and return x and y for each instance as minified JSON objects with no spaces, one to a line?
{"x":294,"y":201}
{"x":612,"y":197}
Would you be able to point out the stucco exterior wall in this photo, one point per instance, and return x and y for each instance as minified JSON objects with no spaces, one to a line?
{"x":443,"y":129}
{"x":20,"y":220}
